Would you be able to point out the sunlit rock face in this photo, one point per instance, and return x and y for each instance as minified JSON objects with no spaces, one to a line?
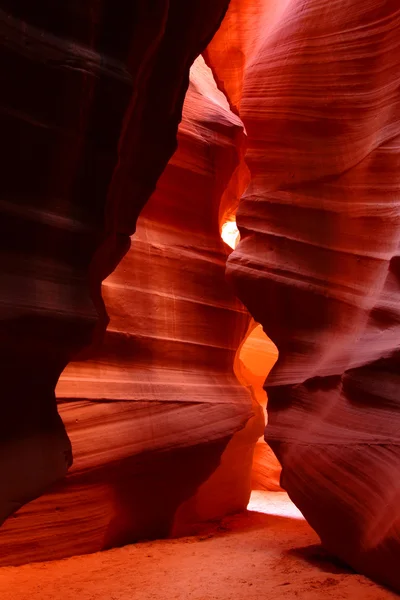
{"x":163,"y":432}
{"x":316,"y":85}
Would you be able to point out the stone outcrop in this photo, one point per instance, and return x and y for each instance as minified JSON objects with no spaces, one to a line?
{"x":316,"y":85}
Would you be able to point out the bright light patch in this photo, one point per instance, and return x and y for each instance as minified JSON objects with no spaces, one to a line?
{"x":230,"y":234}
{"x":274,"y":503}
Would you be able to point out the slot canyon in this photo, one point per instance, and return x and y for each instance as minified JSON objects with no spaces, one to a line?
{"x":200,"y":285}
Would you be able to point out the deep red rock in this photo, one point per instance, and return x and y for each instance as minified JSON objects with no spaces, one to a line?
{"x":316,"y":85}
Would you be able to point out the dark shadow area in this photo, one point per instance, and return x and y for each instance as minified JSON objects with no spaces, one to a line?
{"x":122,"y":502}
{"x":150,"y":487}
{"x":317,"y":556}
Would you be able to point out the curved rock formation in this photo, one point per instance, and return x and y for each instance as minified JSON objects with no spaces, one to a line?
{"x":91,"y":104}
{"x":316,"y":85}
{"x":91,"y":99}
{"x":153,"y":415}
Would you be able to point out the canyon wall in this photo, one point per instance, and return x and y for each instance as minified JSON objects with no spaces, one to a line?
{"x":91,"y":101}
{"x":163,"y":433}
{"x":316,"y":85}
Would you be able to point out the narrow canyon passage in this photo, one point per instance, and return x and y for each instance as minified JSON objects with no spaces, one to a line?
{"x":200,"y":251}
{"x":254,"y":360}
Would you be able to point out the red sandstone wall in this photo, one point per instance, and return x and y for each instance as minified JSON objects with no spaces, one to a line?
{"x":91,"y":104}
{"x":91,"y":99}
{"x":152,"y":416}
{"x":316,"y":85}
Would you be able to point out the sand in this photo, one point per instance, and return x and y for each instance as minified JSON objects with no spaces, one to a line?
{"x":269,"y":552}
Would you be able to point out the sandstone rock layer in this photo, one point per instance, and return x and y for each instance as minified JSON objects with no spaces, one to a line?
{"x":163,"y":432}
{"x":91,"y":100}
{"x":316,"y":85}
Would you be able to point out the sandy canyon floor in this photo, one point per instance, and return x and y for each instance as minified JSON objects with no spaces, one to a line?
{"x":268,"y":552}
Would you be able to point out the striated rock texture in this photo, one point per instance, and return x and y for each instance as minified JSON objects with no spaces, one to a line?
{"x":153,"y":415}
{"x":317,"y":87}
{"x":91,"y":99}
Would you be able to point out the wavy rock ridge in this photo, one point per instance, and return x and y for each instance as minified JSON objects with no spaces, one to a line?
{"x":153,"y":415}
{"x":316,"y":85}
{"x":83,"y":155}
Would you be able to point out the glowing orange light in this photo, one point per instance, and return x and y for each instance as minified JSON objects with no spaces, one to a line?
{"x":230,"y":234}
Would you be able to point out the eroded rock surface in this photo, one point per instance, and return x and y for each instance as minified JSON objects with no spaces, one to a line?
{"x":91,"y":99}
{"x":316,"y":85}
{"x":91,"y":103}
{"x":163,"y":432}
